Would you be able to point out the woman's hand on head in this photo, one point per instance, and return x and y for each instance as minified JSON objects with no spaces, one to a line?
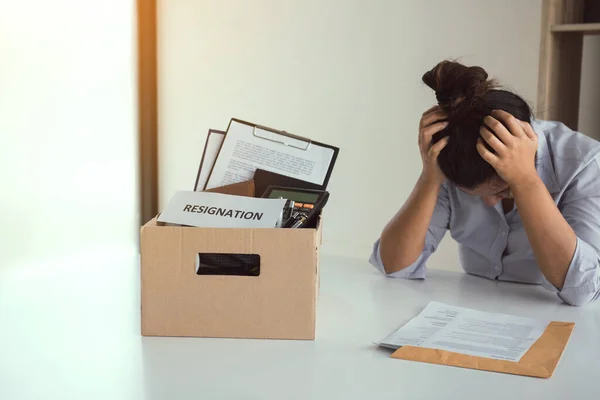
{"x":432,"y":121}
{"x":515,"y":144}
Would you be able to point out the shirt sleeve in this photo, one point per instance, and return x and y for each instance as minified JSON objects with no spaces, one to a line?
{"x":581,"y":210}
{"x":438,"y":227}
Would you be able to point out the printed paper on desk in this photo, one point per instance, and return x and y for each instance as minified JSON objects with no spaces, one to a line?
{"x":247,"y":147}
{"x":215,"y":210}
{"x":462,"y":330}
{"x":539,"y":360}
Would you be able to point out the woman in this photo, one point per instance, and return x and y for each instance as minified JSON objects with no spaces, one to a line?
{"x":520,"y":196}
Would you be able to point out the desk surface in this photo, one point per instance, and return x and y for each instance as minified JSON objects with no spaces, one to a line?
{"x":74,"y":334}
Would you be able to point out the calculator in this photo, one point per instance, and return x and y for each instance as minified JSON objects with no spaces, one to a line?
{"x":302,"y":206}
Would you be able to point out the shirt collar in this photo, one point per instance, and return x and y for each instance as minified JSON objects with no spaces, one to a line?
{"x":543,"y":161}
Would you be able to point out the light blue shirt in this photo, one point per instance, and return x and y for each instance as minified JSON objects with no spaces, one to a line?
{"x":494,"y":245}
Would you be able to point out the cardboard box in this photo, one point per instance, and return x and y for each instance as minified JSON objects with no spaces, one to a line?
{"x":279,"y":303}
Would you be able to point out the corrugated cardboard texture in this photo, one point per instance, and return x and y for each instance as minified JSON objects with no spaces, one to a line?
{"x":237,"y":189}
{"x":540,"y":360}
{"x":278,"y":304}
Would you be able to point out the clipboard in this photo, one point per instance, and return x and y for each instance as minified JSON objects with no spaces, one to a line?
{"x":290,"y":143}
{"x":198,"y":185}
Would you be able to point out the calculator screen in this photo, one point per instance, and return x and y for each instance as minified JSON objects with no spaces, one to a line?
{"x":302,"y":197}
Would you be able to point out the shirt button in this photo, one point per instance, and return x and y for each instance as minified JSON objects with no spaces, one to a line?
{"x":497,"y":267}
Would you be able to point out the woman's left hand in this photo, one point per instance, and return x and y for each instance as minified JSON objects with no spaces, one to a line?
{"x":515,"y":148}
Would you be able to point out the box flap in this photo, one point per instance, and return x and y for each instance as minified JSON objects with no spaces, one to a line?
{"x":245,"y":188}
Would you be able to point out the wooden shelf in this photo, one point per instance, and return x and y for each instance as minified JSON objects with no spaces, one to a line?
{"x":564,"y":25}
{"x":591,"y":28}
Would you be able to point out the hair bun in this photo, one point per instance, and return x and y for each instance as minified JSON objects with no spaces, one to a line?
{"x":457,"y":85}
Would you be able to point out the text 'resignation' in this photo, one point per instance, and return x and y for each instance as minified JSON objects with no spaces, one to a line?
{"x":224,"y":212}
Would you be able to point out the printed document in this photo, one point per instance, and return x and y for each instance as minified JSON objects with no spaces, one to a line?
{"x":247,"y":148}
{"x":462,"y":330}
{"x":213,"y":143}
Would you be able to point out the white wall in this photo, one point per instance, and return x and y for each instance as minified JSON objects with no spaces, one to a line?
{"x":68,"y":122}
{"x":342,"y":72}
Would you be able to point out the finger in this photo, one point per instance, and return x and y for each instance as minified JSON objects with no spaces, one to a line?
{"x":434,"y":151}
{"x":528,"y":130}
{"x":509,"y":121}
{"x":432,"y":109}
{"x":428,"y":132}
{"x":500,"y":130}
{"x":432,"y":118}
{"x":487,"y":155}
{"x":492,"y":140}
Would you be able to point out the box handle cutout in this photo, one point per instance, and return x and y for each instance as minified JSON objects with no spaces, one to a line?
{"x":228,"y":264}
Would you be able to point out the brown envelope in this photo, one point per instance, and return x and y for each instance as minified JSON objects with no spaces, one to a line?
{"x":539,"y":361}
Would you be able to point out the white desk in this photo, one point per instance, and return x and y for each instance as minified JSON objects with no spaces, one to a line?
{"x":75,"y":335}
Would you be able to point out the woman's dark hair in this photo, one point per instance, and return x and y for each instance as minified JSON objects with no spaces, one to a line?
{"x":467,"y":96}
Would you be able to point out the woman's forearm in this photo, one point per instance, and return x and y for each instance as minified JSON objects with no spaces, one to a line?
{"x":552,"y":239}
{"x":403,"y":238}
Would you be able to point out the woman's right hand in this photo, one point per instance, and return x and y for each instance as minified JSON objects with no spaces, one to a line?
{"x":432,"y":121}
